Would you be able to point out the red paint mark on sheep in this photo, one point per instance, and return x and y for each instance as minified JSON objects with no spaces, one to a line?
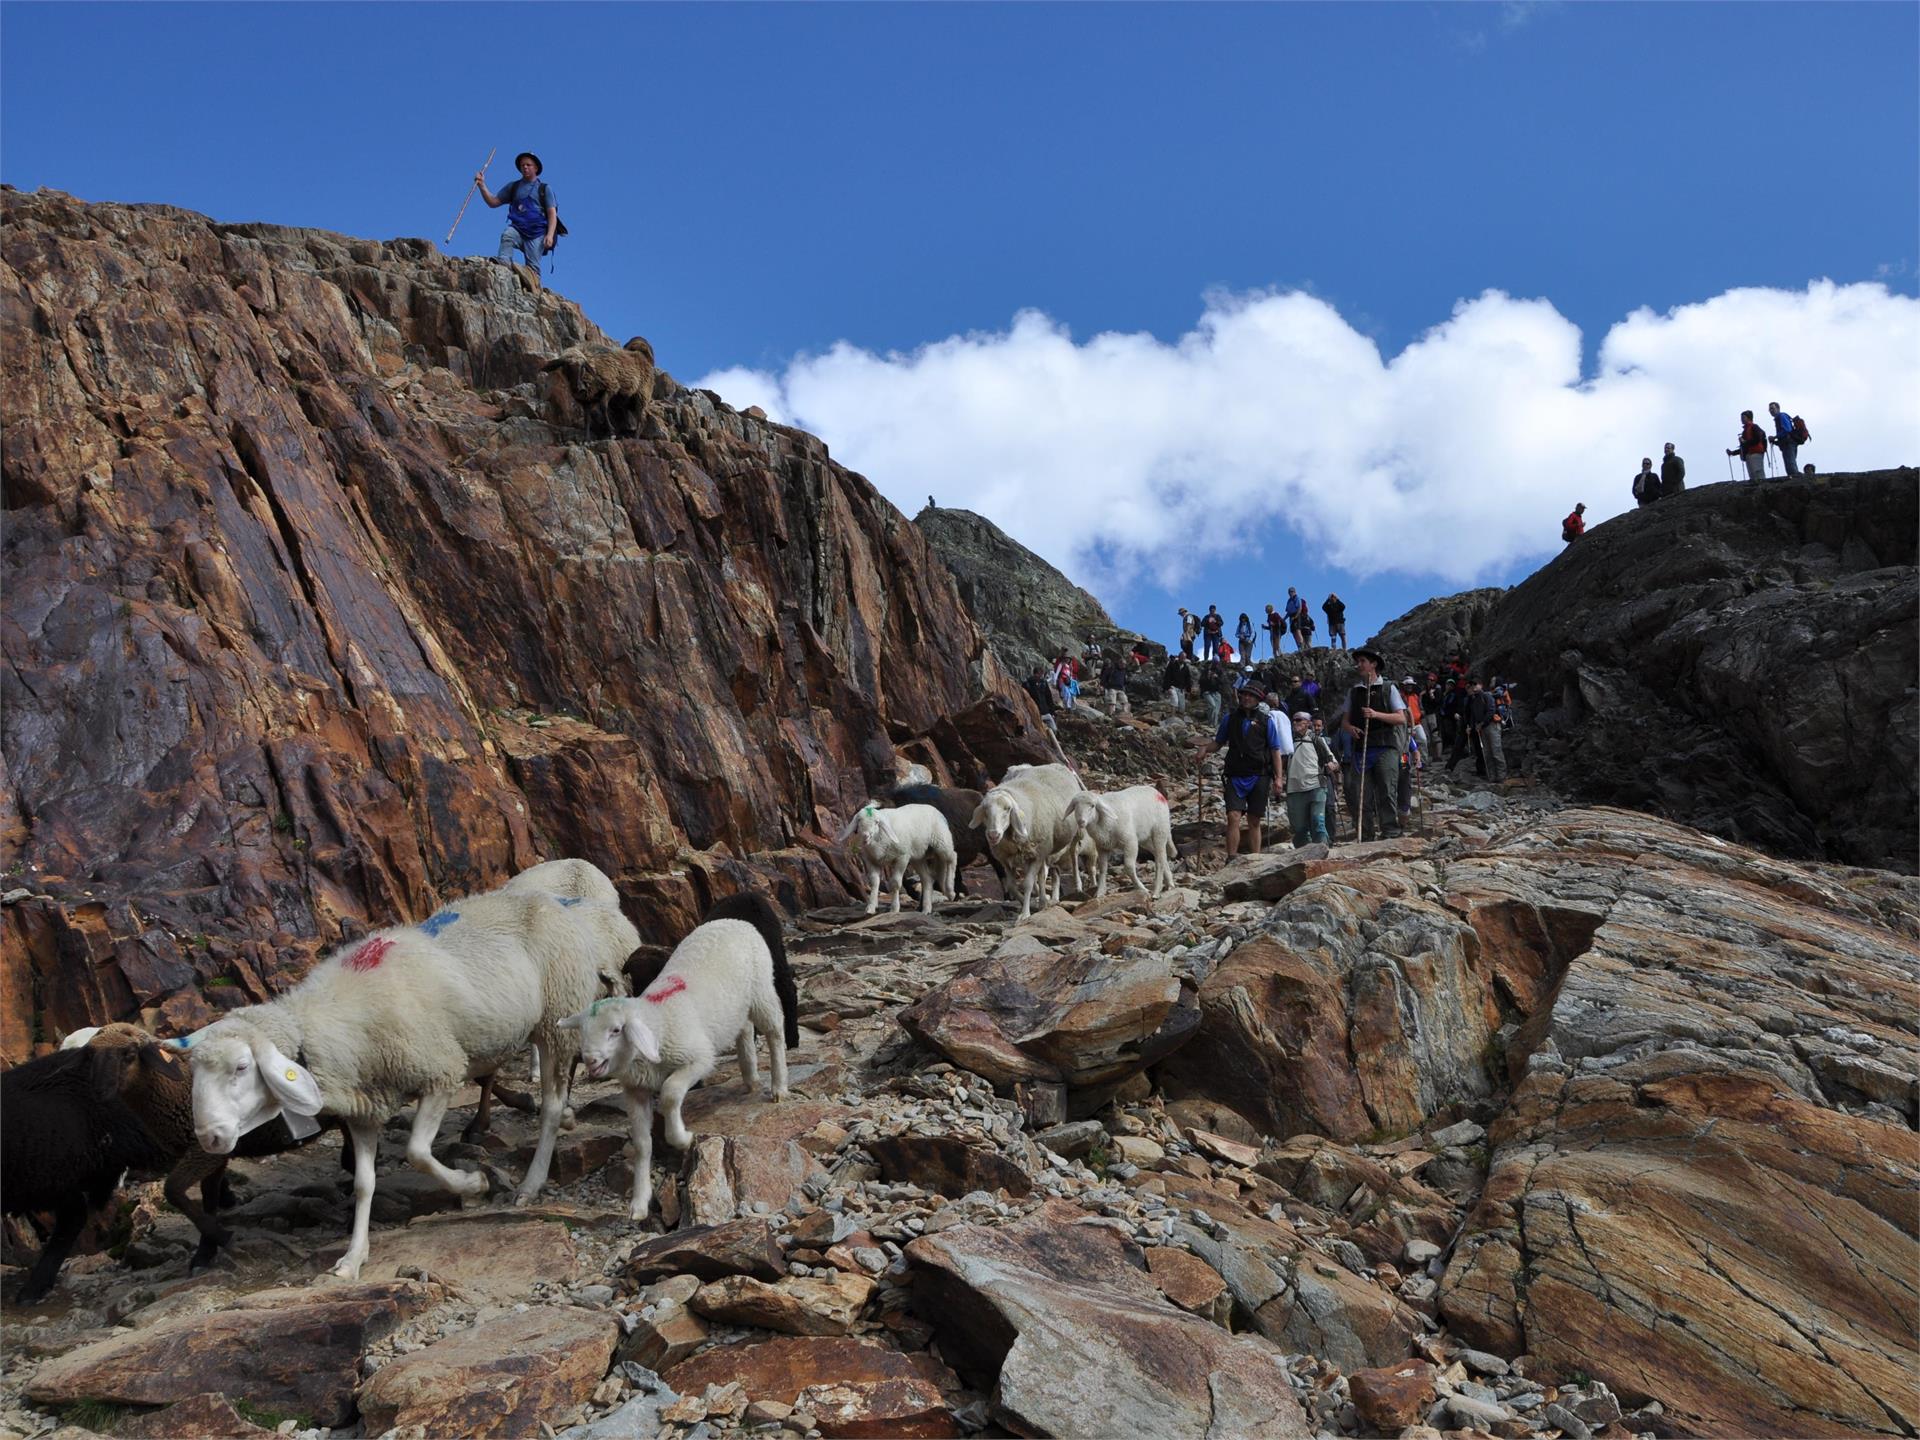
{"x":369,"y":955}
{"x":665,"y":990}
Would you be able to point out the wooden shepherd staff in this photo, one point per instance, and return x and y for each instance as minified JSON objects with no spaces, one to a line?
{"x":470,"y":189}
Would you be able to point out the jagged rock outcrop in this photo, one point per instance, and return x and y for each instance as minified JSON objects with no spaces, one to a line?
{"x":1440,"y":628}
{"x":1029,"y":610}
{"x":328,"y":595}
{"x":1745,"y":658}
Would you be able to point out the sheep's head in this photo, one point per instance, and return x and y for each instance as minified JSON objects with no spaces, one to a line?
{"x":241,"y":1081}
{"x":612,"y":1033}
{"x":1000,"y":814}
{"x":1082,"y":811}
{"x":868,"y":825}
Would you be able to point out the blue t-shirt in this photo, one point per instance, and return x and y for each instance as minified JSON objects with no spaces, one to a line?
{"x":523,"y":205}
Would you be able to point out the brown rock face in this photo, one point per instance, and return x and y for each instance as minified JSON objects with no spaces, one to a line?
{"x":852,"y":1387}
{"x":291,"y":1350}
{"x":326,"y":600}
{"x":1083,"y":1343}
{"x":1704,"y":1188}
{"x":948,"y":1164}
{"x":205,"y":1417}
{"x":500,"y":1378}
{"x":1393,"y":1396}
{"x":804,"y":1305}
{"x":722,"y":1173}
{"x":1032,"y":1014}
{"x":740,"y":1247}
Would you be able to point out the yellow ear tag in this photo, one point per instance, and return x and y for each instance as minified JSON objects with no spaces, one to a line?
{"x":293,"y":1074}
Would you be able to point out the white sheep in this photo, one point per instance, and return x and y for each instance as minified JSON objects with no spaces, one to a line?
{"x":725,"y":982}
{"x":1118,"y":823}
{"x":1025,"y":820}
{"x":891,"y":841}
{"x":412,"y":1012}
{"x":569,"y":881}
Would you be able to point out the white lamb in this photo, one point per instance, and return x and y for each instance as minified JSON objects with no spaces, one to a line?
{"x":891,"y":841}
{"x":570,"y":881}
{"x":1025,"y":817}
{"x":1118,"y":823}
{"x":725,"y":982}
{"x":412,"y":1012}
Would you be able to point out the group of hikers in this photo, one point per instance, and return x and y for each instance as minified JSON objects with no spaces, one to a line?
{"x":1753,"y":447}
{"x":1209,"y":631}
{"x":1366,"y":753}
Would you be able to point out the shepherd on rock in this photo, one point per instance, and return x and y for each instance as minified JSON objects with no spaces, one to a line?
{"x":533,"y":221}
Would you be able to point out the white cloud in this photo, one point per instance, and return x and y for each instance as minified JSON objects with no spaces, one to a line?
{"x":1455,"y":459}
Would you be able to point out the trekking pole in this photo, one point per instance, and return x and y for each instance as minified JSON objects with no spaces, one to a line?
{"x":470,"y":189}
{"x":1360,"y":814}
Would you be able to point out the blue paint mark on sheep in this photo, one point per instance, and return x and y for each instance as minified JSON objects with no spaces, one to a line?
{"x":568,"y":899}
{"x":439,"y":922}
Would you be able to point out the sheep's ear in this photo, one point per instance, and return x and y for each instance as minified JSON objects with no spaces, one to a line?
{"x":572,"y":1022}
{"x":641,"y":1035}
{"x":979,"y":816}
{"x":852,"y":825}
{"x":1022,"y":831}
{"x":292,"y":1086}
{"x":1106,"y":812}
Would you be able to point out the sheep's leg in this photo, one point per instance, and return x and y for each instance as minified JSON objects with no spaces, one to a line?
{"x":749,"y":1062}
{"x":777,"y":1056}
{"x":873,"y":895}
{"x":207,"y":1171}
{"x":68,"y":1219}
{"x":673,"y":1092}
{"x":640,"y":1122}
{"x":925,"y":871}
{"x":364,"y":1137}
{"x":1034,"y":870}
{"x":482,"y":1114}
{"x":896,"y":877}
{"x":426,"y":1128}
{"x":1133,"y":866}
{"x":553,"y":1100}
{"x":1100,"y":864}
{"x":953,"y":877}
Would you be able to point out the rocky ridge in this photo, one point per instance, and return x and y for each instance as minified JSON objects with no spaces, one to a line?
{"x":1028,"y":609}
{"x":1745,"y":658}
{"x":345,"y":576}
{"x":1576,"y":1122}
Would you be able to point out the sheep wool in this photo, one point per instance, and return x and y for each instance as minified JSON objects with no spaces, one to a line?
{"x":411,"y":1013}
{"x":1026,"y":824}
{"x":723,"y":985}
{"x":892,"y":841}
{"x":1119,"y":823}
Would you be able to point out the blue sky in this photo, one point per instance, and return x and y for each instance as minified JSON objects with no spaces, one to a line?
{"x":752,"y":185}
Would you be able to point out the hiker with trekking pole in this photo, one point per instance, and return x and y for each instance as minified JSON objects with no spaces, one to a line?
{"x":533,"y":217}
{"x":1376,"y":715}
{"x":1752,"y":448}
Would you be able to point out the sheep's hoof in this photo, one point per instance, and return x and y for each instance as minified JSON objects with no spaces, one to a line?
{"x":567,"y":1121}
{"x":344,"y":1270}
{"x":681,"y":1139}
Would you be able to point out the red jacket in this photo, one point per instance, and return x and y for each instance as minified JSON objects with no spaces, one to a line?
{"x":1574,"y":524}
{"x":1753,"y":440}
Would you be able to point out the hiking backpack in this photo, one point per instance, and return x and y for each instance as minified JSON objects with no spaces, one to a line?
{"x":1800,"y":435}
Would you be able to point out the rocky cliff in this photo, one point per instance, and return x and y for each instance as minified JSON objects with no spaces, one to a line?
{"x":1440,"y":628}
{"x":1029,"y":610}
{"x":1740,"y":657}
{"x":343,"y":576}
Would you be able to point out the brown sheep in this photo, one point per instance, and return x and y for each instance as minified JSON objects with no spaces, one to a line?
{"x":617,"y":384}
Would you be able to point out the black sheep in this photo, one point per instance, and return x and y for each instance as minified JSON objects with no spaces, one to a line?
{"x":66,"y":1138}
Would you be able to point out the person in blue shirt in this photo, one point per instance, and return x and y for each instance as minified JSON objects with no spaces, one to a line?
{"x":1783,"y":438}
{"x":1257,"y":747}
{"x":533,"y":219}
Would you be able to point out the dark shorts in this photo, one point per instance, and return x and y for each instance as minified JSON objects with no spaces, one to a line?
{"x":1254,"y":802}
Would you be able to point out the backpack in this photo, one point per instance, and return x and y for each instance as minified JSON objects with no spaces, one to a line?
{"x":1800,"y":435}
{"x":1566,"y":530}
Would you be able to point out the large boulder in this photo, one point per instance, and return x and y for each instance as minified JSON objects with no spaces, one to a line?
{"x":1362,"y":1008}
{"x":502,"y":1377}
{"x":853,"y":1387}
{"x":1030,"y":1013}
{"x":296,"y":1351}
{"x":1076,"y":1340}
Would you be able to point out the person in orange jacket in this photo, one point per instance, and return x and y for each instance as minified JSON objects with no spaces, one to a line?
{"x":1575,"y":525}
{"x":1753,"y":447}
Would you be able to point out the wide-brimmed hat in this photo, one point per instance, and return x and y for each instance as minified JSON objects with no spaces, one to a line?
{"x":538,"y":168}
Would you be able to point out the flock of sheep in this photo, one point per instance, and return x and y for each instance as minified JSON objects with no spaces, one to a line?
{"x":412,"y":1013}
{"x":1038,"y":820}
